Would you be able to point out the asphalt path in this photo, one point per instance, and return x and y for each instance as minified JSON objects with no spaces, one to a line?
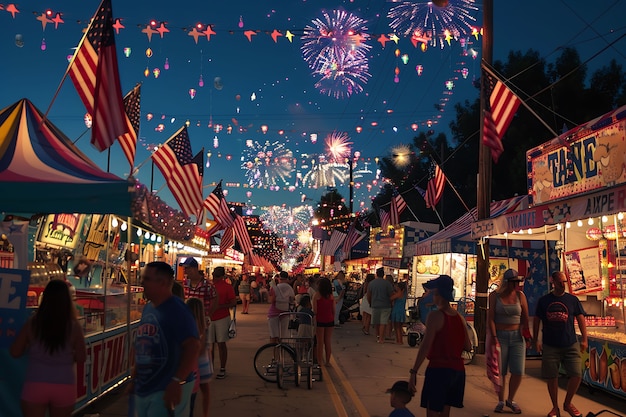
{"x":354,"y":384}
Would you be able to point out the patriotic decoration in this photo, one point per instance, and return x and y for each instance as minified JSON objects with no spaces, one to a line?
{"x":503,"y":104}
{"x":397,"y":206}
{"x":385,"y":220}
{"x":228,"y":239}
{"x":436,"y":184}
{"x":175,"y":161}
{"x":215,"y":203}
{"x":354,"y":236}
{"x":241,"y":234}
{"x":95,"y":75}
{"x":132,"y":107}
{"x":330,"y":246}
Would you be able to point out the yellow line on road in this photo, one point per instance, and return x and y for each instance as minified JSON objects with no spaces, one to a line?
{"x":348,"y":388}
{"x":334,"y":395}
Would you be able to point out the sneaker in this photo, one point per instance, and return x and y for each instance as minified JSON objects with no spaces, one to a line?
{"x":513,"y":406}
{"x":555,"y":412}
{"x":221,"y":374}
{"x":573,"y":411}
{"x":499,"y":407}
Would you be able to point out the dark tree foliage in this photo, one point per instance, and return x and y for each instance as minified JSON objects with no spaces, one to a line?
{"x":331,"y":210}
{"x":560,"y":93}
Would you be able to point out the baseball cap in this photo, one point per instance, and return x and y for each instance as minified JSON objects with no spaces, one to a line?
{"x":511,"y":275}
{"x":444,"y":285}
{"x":400,"y":386}
{"x":190,"y":262}
{"x":283,"y":275}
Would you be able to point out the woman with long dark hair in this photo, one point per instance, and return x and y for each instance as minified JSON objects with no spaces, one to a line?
{"x":54,"y":341}
{"x":324,"y":309}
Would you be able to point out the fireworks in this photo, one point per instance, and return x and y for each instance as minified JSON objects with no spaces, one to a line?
{"x":335,"y":50}
{"x":287,"y":220}
{"x":267,"y":165}
{"x":326,"y":174}
{"x":424,"y":20}
{"x":337,"y":146}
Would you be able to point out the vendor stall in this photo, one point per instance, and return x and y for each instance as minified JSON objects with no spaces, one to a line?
{"x":578,"y":185}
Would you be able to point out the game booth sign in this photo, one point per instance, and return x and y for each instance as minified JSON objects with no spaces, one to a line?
{"x":577,"y":182}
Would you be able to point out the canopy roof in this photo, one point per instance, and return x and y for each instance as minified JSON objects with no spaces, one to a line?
{"x":42,"y":171}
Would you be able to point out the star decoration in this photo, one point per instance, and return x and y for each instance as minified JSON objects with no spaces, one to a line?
{"x":162,"y":30}
{"x":118,"y":25}
{"x":44,"y":20}
{"x":275,"y":35}
{"x":208,"y":32}
{"x":194,"y":32}
{"x":149,"y":32}
{"x":57,"y":20}
{"x":448,"y":36}
{"x":289,"y":36}
{"x":12,"y":9}
{"x":383,"y":40}
{"x":249,"y":34}
{"x":394,"y":38}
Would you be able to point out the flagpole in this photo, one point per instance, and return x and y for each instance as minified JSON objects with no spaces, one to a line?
{"x":439,"y":217}
{"x":459,"y":196}
{"x":490,"y":71}
{"x":67,"y":70}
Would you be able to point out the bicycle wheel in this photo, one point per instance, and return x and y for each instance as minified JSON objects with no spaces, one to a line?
{"x":468,"y":356}
{"x":267,"y":357}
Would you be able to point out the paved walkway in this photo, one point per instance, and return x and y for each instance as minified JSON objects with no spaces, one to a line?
{"x":355,"y":384}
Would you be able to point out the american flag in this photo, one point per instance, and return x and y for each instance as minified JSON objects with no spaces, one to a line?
{"x":132,"y":107}
{"x":503,"y":104}
{"x":385,"y":220}
{"x":355,"y":235}
{"x":330,"y":246}
{"x":175,"y":161}
{"x":217,"y":206}
{"x":242,"y":235}
{"x":95,"y":74}
{"x":396,"y":206}
{"x":228,"y":239}
{"x":436,"y":184}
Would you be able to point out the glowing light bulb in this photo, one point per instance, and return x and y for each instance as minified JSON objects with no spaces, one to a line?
{"x":590,"y":221}
{"x":166,"y":66}
{"x":579,"y":223}
{"x":240,"y":24}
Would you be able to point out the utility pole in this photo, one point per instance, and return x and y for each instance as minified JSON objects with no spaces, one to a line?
{"x":483,"y":197}
{"x":351,"y":165}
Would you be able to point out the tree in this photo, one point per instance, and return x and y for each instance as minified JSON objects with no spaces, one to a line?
{"x":331,"y":211}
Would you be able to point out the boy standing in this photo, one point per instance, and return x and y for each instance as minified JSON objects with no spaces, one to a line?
{"x":400,"y":396}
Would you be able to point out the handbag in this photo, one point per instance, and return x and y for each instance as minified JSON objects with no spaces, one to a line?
{"x":232,"y":328}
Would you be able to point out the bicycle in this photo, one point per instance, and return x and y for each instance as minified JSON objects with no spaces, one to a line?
{"x":465,"y":307}
{"x":274,"y":361}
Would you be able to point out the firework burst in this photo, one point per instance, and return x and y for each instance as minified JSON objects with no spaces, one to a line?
{"x":425,"y":20}
{"x":287,"y":220}
{"x":335,"y":49}
{"x":337,"y":146}
{"x":267,"y":165}
{"x":326,"y":174}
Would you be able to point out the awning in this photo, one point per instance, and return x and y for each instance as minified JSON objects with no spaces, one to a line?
{"x":457,"y":237}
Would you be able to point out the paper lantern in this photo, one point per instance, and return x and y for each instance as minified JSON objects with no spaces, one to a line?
{"x":88,"y":120}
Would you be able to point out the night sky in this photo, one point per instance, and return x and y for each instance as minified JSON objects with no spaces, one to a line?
{"x":251,"y":84}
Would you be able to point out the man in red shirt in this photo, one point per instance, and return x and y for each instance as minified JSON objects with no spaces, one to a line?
{"x":220,"y":319}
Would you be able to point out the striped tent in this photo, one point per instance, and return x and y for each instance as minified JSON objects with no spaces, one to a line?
{"x":42,"y":171}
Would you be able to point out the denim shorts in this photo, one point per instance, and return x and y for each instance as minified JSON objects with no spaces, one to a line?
{"x":512,"y":352}
{"x":554,"y":357}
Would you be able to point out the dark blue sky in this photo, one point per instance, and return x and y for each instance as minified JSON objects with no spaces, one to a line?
{"x":286,"y":100}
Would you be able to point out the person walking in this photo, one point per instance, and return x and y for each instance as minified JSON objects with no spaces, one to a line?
{"x":339,"y":291}
{"x":507,"y":321}
{"x":365,"y":309}
{"x":220,"y":319}
{"x":379,"y":293}
{"x":204,"y":368}
{"x":54,"y":341}
{"x":166,"y":348}
{"x":398,"y":311}
{"x":324,"y":309}
{"x":555,"y":314}
{"x":281,"y":299}
{"x":197,"y":286}
{"x":445,"y":339}
{"x":244,"y":292}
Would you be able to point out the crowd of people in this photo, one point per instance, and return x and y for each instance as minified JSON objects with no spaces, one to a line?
{"x":186,"y":321}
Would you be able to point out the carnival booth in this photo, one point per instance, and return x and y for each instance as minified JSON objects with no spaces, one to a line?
{"x":41,"y":171}
{"x":578,"y":185}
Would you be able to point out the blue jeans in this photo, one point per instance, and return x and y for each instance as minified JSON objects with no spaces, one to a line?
{"x":513,"y":351}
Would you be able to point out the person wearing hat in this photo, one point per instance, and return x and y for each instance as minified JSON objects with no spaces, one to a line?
{"x":400,"y":396}
{"x":445,"y":339}
{"x":507,"y":321}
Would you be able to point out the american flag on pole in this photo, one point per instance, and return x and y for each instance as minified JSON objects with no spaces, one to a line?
{"x":95,"y":74}
{"x":132,"y":107}
{"x":385,"y":220}
{"x":330,"y":246}
{"x":242,"y":235}
{"x":396,"y":206}
{"x":228,"y":239}
{"x":217,"y":206}
{"x":175,"y":161}
{"x":503,"y":104}
{"x":436,"y":184}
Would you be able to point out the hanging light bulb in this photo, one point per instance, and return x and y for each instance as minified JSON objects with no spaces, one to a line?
{"x":605,"y":219}
{"x":156,"y":72}
{"x":620,"y":216}
{"x":124,"y":227}
{"x":147,"y":235}
{"x":216,"y":142}
{"x":139,"y":231}
{"x":590,"y":221}
{"x":579,"y":223}
{"x":240,"y":24}
{"x":127,"y":52}
{"x":43,"y":44}
{"x":153,"y":237}
{"x":166,"y":66}
{"x":201,"y":82}
{"x":114,"y":222}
